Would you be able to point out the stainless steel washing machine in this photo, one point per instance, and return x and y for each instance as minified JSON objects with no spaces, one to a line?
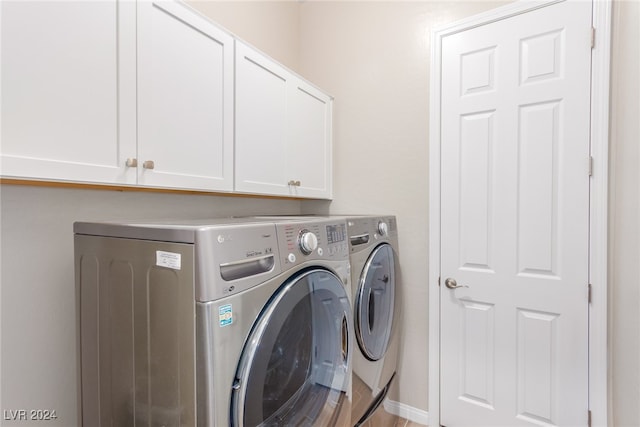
{"x":232,"y":322}
{"x":373,"y":246}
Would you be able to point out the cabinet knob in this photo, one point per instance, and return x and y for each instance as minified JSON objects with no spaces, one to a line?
{"x":294,"y":183}
{"x":131,"y":163}
{"x":148,"y":164}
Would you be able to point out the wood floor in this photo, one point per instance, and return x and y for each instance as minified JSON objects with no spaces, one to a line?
{"x":383,"y":419}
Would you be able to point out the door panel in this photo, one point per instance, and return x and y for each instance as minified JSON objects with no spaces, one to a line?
{"x":476,"y":143}
{"x":515,"y":187}
{"x":536,"y":376}
{"x":538,"y":189}
{"x":477,"y":369}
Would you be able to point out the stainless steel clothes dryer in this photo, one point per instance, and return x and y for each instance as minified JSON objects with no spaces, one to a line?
{"x":214,"y":323}
{"x":373,"y":245}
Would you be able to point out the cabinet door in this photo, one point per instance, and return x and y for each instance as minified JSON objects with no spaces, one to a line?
{"x":283,"y":130}
{"x":61,"y":79}
{"x":261,"y":123}
{"x":309,"y":142}
{"x":185,"y":99}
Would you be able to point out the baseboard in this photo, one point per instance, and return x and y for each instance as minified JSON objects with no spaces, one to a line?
{"x":407,"y":412}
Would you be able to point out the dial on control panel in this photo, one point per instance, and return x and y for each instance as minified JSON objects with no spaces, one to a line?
{"x":383,"y":228}
{"x":307,"y":241}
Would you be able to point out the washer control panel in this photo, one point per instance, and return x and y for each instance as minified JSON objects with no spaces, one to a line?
{"x":305,"y":240}
{"x":367,"y":231}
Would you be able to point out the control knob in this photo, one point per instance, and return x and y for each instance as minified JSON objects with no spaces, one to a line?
{"x":383,"y":228}
{"x":307,"y":241}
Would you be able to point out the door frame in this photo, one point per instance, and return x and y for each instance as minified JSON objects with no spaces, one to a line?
{"x":599,"y":397}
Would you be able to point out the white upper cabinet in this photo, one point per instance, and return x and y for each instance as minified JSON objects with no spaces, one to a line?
{"x":309,"y":145}
{"x":153,"y":94}
{"x":283,"y":130}
{"x":185,"y":99}
{"x":261,"y":123}
{"x":60,"y":92}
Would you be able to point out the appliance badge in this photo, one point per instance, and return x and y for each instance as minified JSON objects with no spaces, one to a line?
{"x":266,"y":251}
{"x":169,"y":260}
{"x":224,"y":238}
{"x":225,"y":315}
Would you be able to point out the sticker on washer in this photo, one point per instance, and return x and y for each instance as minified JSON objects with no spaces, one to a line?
{"x":169,"y":260}
{"x":225,"y":315}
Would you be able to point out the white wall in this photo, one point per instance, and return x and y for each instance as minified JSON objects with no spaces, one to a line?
{"x":271,"y":26}
{"x":624,"y":229}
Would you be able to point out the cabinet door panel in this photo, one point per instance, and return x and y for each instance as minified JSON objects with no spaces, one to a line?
{"x":185,"y":104}
{"x":60,"y":92}
{"x":309,"y":144}
{"x":261,"y":114}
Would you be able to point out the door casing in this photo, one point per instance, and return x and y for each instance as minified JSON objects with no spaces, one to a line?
{"x":598,"y":193}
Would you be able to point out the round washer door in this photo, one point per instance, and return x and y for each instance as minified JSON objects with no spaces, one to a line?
{"x":374,"y":303}
{"x":294,"y":365}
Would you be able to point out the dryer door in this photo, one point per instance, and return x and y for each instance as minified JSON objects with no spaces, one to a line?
{"x":294,"y":368}
{"x":374,"y":303}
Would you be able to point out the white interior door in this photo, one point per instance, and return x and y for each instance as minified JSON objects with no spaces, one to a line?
{"x":514,"y":217}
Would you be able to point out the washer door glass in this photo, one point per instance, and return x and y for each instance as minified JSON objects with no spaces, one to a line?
{"x":294,"y":366}
{"x":374,"y":303}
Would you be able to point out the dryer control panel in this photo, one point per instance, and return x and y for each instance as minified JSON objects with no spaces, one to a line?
{"x":307,"y":240}
{"x":367,"y":231}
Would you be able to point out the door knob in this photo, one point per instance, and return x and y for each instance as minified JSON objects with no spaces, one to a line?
{"x":452,"y":284}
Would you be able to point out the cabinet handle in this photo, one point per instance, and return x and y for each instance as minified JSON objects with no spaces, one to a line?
{"x":294,"y":183}
{"x":131,"y":163}
{"x":148,"y":164}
